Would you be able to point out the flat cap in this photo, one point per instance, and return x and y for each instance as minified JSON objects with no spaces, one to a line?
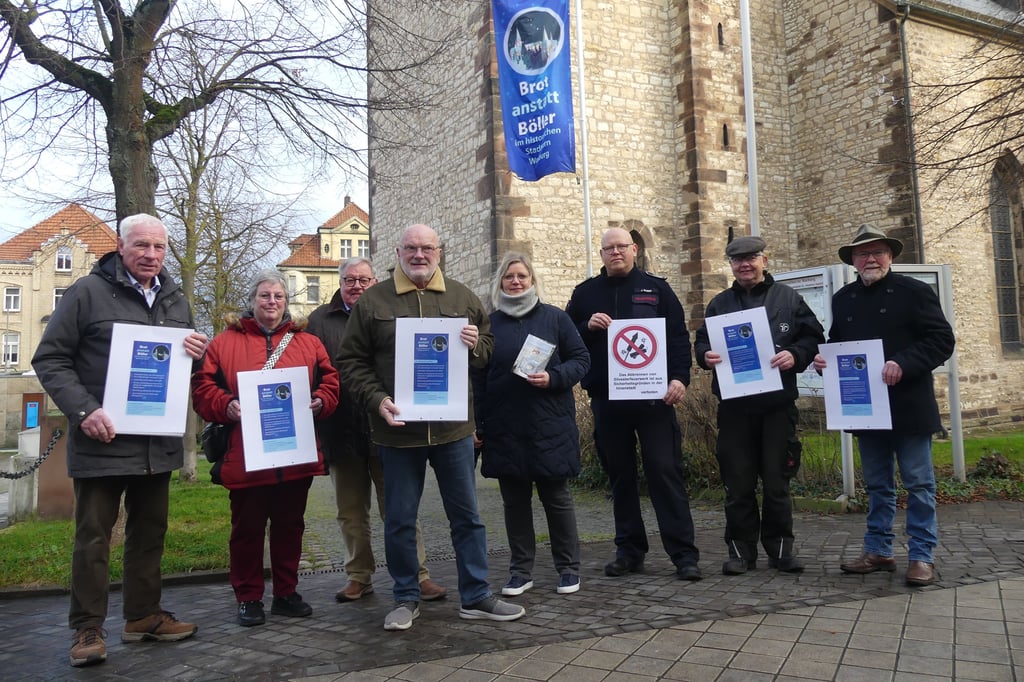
{"x":744,"y":246}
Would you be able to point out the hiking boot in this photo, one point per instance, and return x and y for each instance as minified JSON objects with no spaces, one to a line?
{"x":737,"y":565}
{"x":251,"y":613}
{"x":291,"y":606}
{"x":352,"y":591}
{"x":515,"y":586}
{"x":88,"y":646}
{"x":431,"y":591}
{"x":402,"y":616}
{"x":159,"y":627}
{"x":568,"y":583}
{"x":491,"y":608}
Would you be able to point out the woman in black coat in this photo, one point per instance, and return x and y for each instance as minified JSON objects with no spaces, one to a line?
{"x":526,"y":420}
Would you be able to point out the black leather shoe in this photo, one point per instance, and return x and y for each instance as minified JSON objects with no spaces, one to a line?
{"x":291,"y":606}
{"x":621,"y":567}
{"x":251,"y":613}
{"x":787,"y":564}
{"x":689,"y":572}
{"x":737,"y":566}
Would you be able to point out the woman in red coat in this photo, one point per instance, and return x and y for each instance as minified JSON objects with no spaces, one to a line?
{"x":279,"y":494}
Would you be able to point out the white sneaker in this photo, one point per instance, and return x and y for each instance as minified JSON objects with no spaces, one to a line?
{"x":402,"y":616}
{"x":568,"y":583}
{"x":516,"y":586}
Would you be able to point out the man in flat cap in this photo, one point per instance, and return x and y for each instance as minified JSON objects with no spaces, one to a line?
{"x":757,"y":433}
{"x":916,"y":338}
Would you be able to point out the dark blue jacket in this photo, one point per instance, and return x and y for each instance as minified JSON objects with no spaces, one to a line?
{"x":793,"y":325}
{"x":530,"y":433}
{"x":637,"y":295}
{"x":907,"y":316}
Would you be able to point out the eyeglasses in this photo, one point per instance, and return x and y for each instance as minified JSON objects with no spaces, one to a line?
{"x":616,"y":248}
{"x":361,"y":281}
{"x":877,"y":254}
{"x":271,"y":297}
{"x":515,"y":276}
{"x":748,"y":258}
{"x":411,"y":250}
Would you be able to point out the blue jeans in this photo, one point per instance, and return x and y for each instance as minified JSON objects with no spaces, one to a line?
{"x":404,"y":472}
{"x":914,"y":455}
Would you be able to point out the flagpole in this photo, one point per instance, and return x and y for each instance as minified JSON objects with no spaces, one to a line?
{"x":748,"y":107}
{"x":583,"y":138}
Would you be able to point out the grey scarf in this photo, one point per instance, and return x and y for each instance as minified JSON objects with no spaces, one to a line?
{"x":517,"y":306}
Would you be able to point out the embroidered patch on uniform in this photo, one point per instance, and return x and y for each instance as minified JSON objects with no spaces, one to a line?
{"x":645,"y":297}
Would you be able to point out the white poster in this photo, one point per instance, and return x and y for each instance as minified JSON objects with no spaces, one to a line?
{"x":431,"y":369}
{"x":277,"y":424}
{"x":148,"y":375}
{"x":637,"y":359}
{"x":744,"y":340}
{"x":856,"y":397}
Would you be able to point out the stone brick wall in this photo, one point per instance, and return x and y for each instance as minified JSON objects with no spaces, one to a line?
{"x":667,"y":156}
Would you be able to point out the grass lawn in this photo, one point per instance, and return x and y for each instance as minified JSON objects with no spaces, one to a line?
{"x":38,"y":553}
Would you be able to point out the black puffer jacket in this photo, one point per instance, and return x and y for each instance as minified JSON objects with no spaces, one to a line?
{"x":530,"y":433}
{"x":71,"y":361}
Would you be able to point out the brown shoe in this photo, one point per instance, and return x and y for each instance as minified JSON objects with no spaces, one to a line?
{"x":88,"y":646}
{"x":159,"y":627}
{"x":869,"y":563}
{"x":353,"y":591}
{"x":431,"y":591}
{"x":920,"y":574}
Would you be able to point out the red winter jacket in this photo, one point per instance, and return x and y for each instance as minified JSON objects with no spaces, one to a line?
{"x":244,"y":347}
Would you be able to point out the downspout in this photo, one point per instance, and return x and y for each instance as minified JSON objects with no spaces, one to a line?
{"x":915,"y":188}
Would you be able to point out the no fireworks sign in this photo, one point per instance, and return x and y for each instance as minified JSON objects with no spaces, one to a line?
{"x":637,"y":366}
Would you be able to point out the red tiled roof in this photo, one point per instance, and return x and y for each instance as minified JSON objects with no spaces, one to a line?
{"x":79,"y":223}
{"x":306,"y":254}
{"x":346,"y":214}
{"x":306,"y":247}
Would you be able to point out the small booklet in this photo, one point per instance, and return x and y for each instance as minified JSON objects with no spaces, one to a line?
{"x":533,"y":356}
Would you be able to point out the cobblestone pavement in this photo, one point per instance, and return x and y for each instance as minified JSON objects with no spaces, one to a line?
{"x":645,"y":625}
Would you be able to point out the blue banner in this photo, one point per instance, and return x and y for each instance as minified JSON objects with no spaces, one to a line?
{"x":534,"y":77}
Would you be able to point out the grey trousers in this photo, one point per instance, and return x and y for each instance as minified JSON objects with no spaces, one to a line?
{"x":556,"y":497}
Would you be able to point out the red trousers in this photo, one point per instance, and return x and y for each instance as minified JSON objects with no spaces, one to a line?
{"x":284,"y":506}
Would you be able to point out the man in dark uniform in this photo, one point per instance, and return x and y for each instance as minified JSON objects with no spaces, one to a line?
{"x":623,"y":291}
{"x":757,"y":433}
{"x":916,"y":338}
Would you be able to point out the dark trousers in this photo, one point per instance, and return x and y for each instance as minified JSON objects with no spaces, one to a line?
{"x":284,"y":506}
{"x":754,"y":445}
{"x":617,"y":427}
{"x":556,"y":497}
{"x":97,"y":503}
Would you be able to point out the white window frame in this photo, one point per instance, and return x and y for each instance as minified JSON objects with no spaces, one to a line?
{"x":11,"y":349}
{"x":64,"y":259}
{"x":57,"y":296}
{"x":312,"y":290}
{"x":345,"y":251}
{"x":12,"y":299}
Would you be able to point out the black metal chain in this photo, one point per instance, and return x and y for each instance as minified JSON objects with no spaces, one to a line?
{"x":57,"y":433}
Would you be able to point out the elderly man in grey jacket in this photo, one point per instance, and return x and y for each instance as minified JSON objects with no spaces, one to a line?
{"x":127,"y":286}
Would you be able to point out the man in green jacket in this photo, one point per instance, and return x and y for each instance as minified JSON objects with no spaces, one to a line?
{"x":352,"y":457}
{"x":419,"y":290}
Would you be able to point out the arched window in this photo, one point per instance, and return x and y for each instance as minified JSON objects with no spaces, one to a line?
{"x":1005,"y":225}
{"x":725,"y":136}
{"x":721,"y":36}
{"x":642,"y":260}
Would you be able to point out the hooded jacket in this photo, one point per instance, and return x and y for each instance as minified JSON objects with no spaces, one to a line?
{"x":71,"y":363}
{"x":243,"y":347}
